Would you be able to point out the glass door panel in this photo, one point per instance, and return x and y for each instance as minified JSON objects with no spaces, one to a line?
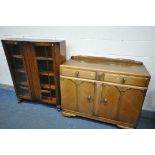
{"x":18,"y":69}
{"x":44,"y":59}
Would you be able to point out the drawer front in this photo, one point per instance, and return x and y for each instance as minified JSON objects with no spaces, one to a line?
{"x":128,"y":80}
{"x":78,"y":73}
{"x":137,"y":81}
{"x":114,"y":78}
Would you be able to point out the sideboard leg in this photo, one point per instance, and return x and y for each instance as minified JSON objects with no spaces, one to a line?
{"x":58,"y":107}
{"x":19,"y":100}
{"x":124,"y":127}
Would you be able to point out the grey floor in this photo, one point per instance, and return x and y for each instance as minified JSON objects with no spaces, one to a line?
{"x":34,"y":115}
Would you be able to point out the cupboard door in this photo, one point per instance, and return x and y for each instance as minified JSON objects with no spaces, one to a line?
{"x":85,"y":94}
{"x":130,"y":105}
{"x":68,"y":94}
{"x":15,"y":54}
{"x":108,"y":102}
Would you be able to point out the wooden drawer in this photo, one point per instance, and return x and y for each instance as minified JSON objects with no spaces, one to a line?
{"x":78,"y":73}
{"x":128,"y":80}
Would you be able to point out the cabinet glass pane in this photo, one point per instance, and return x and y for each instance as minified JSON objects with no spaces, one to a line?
{"x":45,"y":66}
{"x":46,"y":79}
{"x":48,"y":94}
{"x":22,"y":90}
{"x":20,"y":78}
{"x":14,"y":49}
{"x":43,"y":51}
{"x":17,"y":63}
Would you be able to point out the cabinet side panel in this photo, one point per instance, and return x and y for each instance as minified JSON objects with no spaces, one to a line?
{"x":9,"y":64}
{"x":60,"y":58}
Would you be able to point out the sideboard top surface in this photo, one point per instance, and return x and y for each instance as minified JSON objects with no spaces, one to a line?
{"x":121,"y":66}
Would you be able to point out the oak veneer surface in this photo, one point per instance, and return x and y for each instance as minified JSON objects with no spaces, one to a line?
{"x":104,"y":89}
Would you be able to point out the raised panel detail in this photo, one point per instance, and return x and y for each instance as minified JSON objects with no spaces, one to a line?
{"x":130,"y":105}
{"x":68,"y":94}
{"x":108,"y":103}
{"x":85,"y":96}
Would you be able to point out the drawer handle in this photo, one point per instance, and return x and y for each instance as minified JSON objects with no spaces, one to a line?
{"x":105,"y":101}
{"x":89,"y":98}
{"x":100,"y":76}
{"x":124,"y":80}
{"x":77,"y":74}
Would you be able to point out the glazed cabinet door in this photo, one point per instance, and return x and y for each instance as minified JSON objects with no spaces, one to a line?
{"x":68,"y":94}
{"x":43,"y":67}
{"x":107,"y":103}
{"x":16,"y":57}
{"x":131,"y":102}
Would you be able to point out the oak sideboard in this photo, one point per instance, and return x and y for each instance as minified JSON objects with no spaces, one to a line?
{"x":104,"y":89}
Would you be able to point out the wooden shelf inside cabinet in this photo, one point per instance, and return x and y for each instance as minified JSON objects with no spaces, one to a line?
{"x":49,"y":100}
{"x":23,"y":87}
{"x":44,"y":58}
{"x":47,"y":86}
{"x":34,"y":67}
{"x":19,"y":70}
{"x":46,"y":73}
{"x":45,"y":91}
{"x":17,"y":56}
{"x":23,"y":83}
{"x":24,"y":97}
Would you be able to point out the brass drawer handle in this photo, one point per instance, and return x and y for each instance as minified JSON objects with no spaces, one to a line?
{"x":124,"y":80}
{"x":77,"y":74}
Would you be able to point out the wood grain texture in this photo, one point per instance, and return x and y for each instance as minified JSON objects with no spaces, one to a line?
{"x":68,"y":95}
{"x":86,"y":99}
{"x":108,"y":103}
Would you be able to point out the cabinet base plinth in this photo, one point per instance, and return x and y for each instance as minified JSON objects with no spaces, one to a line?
{"x":119,"y":124}
{"x":67,"y":114}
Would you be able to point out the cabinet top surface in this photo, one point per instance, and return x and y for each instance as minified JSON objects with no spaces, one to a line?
{"x":123,"y":66}
{"x":31,"y":40}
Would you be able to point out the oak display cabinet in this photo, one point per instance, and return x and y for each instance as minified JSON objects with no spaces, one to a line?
{"x":34,"y":67}
{"x":104,"y":89}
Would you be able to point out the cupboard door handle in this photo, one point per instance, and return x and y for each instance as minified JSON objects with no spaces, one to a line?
{"x":105,"y":101}
{"x":89,"y":98}
{"x":77,"y":74}
{"x":124,"y":80}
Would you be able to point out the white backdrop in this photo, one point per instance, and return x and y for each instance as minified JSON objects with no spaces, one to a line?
{"x":136,"y":43}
